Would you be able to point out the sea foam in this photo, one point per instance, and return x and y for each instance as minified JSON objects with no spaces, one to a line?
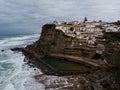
{"x":14,"y":73}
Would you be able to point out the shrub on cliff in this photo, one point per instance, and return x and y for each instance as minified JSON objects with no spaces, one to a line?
{"x":116,"y":23}
{"x":111,"y":36}
{"x":49,"y":26}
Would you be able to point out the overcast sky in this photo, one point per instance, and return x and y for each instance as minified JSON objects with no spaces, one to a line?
{"x":27,"y":16}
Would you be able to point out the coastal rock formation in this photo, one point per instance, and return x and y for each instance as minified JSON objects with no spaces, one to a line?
{"x":55,"y":41}
{"x":112,"y":53}
{"x":75,"y":82}
{"x":52,"y":40}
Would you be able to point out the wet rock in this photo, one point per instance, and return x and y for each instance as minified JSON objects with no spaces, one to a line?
{"x":17,"y":49}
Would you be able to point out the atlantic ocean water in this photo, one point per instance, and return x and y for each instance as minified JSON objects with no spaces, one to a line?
{"x":15,"y":74}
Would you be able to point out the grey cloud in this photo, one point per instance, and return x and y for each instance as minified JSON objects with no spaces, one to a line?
{"x":31,"y":14}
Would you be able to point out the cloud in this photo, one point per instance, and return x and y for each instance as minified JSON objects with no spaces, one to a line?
{"x":29,"y":15}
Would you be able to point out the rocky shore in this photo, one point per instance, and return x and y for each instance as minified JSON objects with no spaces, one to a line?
{"x":96,"y":80}
{"x":54,"y":41}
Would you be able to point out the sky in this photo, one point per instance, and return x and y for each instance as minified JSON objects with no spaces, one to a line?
{"x":27,"y":16}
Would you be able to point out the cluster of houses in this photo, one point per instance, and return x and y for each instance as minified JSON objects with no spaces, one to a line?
{"x":86,"y":31}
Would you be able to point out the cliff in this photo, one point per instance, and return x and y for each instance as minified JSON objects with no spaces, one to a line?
{"x":55,"y":41}
{"x":52,"y":40}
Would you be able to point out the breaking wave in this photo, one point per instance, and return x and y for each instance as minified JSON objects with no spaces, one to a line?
{"x":14,"y":73}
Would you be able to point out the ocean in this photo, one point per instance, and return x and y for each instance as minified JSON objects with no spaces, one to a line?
{"x":15,"y":74}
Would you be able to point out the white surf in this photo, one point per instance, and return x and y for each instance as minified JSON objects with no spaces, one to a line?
{"x":14,"y":73}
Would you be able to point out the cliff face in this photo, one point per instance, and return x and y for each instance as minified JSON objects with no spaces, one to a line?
{"x":52,"y":40}
{"x":55,"y":41}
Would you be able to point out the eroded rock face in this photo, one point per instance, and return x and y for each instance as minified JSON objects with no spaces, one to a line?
{"x":99,"y":80}
{"x":55,"y":41}
{"x":112,"y":56}
{"x":52,"y":40}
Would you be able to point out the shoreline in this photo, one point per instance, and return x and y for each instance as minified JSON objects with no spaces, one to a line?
{"x":79,"y":81}
{"x":35,"y":60}
{"x":50,"y":81}
{"x":46,"y":68}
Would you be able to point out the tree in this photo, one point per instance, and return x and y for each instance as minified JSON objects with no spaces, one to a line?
{"x":85,"y":19}
{"x":71,"y":29}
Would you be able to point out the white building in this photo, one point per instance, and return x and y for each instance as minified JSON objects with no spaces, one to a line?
{"x":112,"y":28}
{"x":86,"y":31}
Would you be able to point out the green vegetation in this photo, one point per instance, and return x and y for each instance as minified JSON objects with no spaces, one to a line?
{"x":112,"y":36}
{"x":65,"y":65}
{"x":49,"y":26}
{"x":85,"y":19}
{"x":116,"y":23}
{"x":71,"y":29}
